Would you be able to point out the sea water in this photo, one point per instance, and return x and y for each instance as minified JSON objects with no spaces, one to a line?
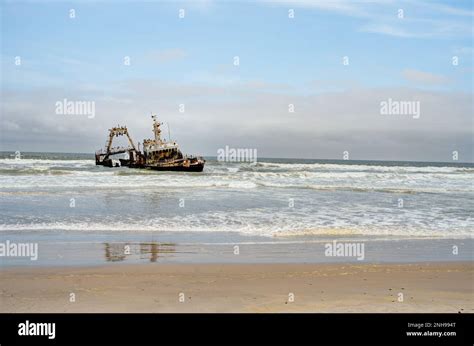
{"x":66,"y":197}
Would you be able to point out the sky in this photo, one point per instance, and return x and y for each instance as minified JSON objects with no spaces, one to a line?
{"x":334,"y":63}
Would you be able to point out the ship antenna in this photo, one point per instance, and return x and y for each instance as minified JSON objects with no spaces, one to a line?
{"x":169,"y":132}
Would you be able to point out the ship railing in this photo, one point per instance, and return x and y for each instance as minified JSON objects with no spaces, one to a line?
{"x":113,"y":150}
{"x":192,"y":157}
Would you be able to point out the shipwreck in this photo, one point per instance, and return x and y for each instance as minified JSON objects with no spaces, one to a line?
{"x":157,"y":154}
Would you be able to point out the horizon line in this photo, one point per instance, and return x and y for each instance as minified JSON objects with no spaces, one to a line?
{"x":266,"y":157}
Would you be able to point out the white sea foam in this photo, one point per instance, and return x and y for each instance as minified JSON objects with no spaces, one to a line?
{"x":330,"y":199}
{"x":283,"y":230}
{"x":350,"y":181}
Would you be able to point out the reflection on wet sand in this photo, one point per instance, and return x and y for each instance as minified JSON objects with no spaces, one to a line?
{"x":116,"y":252}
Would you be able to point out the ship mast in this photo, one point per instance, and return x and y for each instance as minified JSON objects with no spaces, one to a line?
{"x":156,"y":130}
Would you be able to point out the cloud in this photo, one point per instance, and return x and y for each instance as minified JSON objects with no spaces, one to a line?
{"x":392,"y":30}
{"x":444,"y":9}
{"x":420,"y":19}
{"x":368,"y":7}
{"x":244,"y":115}
{"x":426,"y":78}
{"x":167,"y":55}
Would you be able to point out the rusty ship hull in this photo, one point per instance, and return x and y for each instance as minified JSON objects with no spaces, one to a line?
{"x":197,"y":167}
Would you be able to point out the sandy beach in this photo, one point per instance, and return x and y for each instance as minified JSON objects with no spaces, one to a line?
{"x":415,"y":287}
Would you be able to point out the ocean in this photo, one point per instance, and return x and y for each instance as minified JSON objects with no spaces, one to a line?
{"x":58,"y":198}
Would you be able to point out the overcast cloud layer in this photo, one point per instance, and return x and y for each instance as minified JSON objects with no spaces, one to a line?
{"x":323,"y":125}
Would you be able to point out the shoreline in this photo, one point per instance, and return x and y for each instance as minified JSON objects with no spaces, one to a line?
{"x":336,"y":287}
{"x":97,"y":249}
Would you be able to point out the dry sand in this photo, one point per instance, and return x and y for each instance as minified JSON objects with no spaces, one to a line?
{"x":426,"y":287}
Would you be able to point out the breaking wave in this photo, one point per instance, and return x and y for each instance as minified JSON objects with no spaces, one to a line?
{"x":247,"y":198}
{"x":45,"y":173}
{"x":281,"y":231}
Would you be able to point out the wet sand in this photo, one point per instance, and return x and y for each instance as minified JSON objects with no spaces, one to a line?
{"x":415,"y":287}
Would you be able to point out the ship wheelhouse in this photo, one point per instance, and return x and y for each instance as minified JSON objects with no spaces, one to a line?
{"x":159,"y":151}
{"x":164,"y":154}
